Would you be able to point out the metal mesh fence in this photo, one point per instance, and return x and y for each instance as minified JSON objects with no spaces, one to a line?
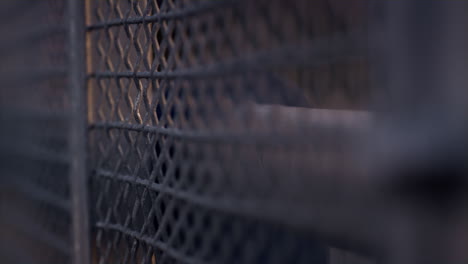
{"x":233,"y":131}
{"x":208,"y":121}
{"x":35,"y":212}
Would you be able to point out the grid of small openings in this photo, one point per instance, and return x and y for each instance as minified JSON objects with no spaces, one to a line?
{"x":35,"y":210}
{"x":201,"y":142}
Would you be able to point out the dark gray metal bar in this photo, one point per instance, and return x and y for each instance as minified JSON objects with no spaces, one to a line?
{"x":422,"y":74}
{"x":78,"y":133}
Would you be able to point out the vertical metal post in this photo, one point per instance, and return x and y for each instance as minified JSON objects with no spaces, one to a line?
{"x":425,"y":54}
{"x":423,"y":65}
{"x":78,"y":132}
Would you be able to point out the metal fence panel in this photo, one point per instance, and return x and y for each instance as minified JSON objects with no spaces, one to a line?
{"x":202,"y":132}
{"x":233,"y":131}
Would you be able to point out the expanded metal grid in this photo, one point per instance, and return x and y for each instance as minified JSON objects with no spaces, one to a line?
{"x":205,"y":127}
{"x":225,"y":131}
{"x":35,"y":209}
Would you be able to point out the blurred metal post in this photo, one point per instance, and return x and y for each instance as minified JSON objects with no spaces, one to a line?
{"x":78,"y":132}
{"x":423,"y":66}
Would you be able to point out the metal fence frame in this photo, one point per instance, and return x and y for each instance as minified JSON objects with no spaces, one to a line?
{"x":78,"y":134}
{"x":401,"y":145}
{"x":440,"y":21}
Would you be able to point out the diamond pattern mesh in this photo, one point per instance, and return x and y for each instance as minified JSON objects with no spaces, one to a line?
{"x":34,"y":157}
{"x":225,"y":131}
{"x":205,"y":128}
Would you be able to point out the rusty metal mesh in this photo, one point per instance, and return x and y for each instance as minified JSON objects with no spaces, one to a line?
{"x":34,"y":158}
{"x":205,"y":131}
{"x":225,"y":131}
